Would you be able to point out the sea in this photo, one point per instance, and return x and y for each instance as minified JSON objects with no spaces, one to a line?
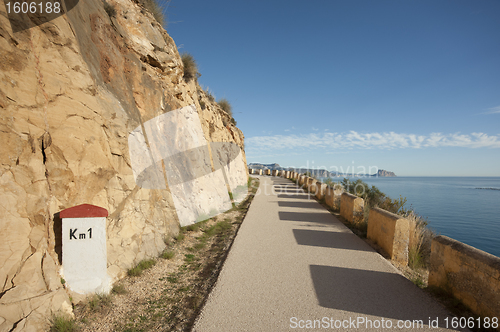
{"x":466,"y":209}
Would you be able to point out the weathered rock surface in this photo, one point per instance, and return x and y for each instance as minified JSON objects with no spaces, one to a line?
{"x":71,"y":92}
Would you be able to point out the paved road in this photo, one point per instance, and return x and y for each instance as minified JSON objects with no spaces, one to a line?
{"x":293,"y":265}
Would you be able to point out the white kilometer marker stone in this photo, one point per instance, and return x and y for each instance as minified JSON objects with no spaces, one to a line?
{"x":84,"y":249}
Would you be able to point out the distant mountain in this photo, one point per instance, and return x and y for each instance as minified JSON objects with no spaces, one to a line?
{"x":264,"y":166}
{"x":384,"y":173}
{"x":319,"y":173}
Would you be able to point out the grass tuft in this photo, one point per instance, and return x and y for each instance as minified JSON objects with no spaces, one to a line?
{"x":188,"y":258}
{"x":419,"y":248}
{"x":97,"y":302}
{"x":62,"y":323}
{"x":180,"y":237}
{"x":418,"y":282}
{"x":168,"y":254}
{"x":199,"y":246}
{"x":119,"y":289}
{"x":143,"y":265}
{"x":193,"y":227}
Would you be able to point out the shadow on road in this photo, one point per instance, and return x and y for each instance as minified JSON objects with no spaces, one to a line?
{"x":337,"y":240}
{"x":364,"y":293}
{"x":301,"y":204}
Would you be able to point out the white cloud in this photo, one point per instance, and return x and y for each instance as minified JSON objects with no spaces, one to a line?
{"x":386,"y":140}
{"x":493,"y":110}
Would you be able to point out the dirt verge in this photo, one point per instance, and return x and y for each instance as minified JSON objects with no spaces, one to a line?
{"x":169,"y":295}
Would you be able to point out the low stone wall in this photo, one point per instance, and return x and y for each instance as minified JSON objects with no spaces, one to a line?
{"x":320,"y":190}
{"x":469,"y":274}
{"x":391,"y":232}
{"x":332,"y":197}
{"x":311,"y":185}
{"x":350,"y":206}
{"x":329,"y":197}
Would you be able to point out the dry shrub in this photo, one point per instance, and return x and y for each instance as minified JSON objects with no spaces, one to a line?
{"x":190,"y":67}
{"x":226,"y":106}
{"x":360,"y":223}
{"x":155,"y":8}
{"x":419,"y":248}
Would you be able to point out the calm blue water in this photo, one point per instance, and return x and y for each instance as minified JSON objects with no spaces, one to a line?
{"x":452,"y":205}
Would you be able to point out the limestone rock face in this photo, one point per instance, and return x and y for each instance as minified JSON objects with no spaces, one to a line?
{"x":72,"y":90}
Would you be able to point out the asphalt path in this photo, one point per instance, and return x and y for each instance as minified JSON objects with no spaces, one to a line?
{"x":295,"y":266}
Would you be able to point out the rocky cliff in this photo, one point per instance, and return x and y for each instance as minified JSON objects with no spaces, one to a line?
{"x":74,"y":93}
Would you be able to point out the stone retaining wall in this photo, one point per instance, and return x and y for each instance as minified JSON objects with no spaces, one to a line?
{"x":320,"y":190}
{"x":391,"y":232}
{"x":350,"y":206}
{"x":469,"y":274}
{"x":311,"y":185}
{"x":332,"y":197}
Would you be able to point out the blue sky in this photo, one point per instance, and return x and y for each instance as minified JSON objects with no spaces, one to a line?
{"x":408,"y":86}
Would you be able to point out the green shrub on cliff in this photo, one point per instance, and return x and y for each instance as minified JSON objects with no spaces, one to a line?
{"x":374,"y":197}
